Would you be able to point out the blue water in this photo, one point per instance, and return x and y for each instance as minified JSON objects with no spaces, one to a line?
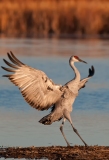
{"x":19,"y":122}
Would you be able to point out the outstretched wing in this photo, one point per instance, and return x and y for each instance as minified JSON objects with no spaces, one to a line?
{"x":83,"y":81}
{"x":37,"y":89}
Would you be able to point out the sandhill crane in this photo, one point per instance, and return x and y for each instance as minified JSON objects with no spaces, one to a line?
{"x":42,"y":93}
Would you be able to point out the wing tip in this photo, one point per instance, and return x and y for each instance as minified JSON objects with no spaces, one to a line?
{"x":8,"y":69}
{"x":13,"y":59}
{"x":91,"y":71}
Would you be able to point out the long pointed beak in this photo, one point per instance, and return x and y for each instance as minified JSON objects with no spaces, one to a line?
{"x":82,"y":61}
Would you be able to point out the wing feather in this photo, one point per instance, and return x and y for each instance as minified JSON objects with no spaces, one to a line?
{"x":36,"y":88}
{"x":10,"y":65}
{"x":85,"y":80}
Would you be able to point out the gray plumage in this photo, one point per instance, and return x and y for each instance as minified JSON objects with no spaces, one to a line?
{"x":42,"y":93}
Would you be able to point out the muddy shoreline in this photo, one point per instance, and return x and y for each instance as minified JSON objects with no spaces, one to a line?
{"x":57,"y":152}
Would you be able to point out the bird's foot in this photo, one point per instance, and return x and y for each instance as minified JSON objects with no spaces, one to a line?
{"x":68,"y":145}
{"x":86,"y":145}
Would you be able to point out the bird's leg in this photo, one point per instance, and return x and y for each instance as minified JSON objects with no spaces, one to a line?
{"x":61,"y":129}
{"x":68,"y":117}
{"x":75,"y":130}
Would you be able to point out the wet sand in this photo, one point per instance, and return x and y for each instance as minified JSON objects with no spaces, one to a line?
{"x":57,"y":152}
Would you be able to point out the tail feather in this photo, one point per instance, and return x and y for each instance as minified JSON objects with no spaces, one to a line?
{"x":50,"y":118}
{"x":47,"y":120}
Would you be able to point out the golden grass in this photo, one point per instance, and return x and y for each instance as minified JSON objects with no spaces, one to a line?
{"x":33,"y":18}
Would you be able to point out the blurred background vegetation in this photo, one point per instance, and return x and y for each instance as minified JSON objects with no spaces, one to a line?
{"x":45,"y":18}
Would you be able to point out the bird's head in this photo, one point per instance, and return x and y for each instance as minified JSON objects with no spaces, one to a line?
{"x":76,"y":59}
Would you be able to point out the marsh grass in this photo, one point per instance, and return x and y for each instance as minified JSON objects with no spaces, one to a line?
{"x":35,"y":18}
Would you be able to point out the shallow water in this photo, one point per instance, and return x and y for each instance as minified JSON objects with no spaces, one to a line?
{"x":19,"y":122}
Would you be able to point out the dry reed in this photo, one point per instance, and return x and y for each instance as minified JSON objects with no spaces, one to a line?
{"x":34,"y":18}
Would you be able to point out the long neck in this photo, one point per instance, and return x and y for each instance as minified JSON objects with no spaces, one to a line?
{"x":77,"y":74}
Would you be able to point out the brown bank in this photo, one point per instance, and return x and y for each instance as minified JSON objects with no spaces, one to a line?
{"x":35,"y":18}
{"x":57,"y":152}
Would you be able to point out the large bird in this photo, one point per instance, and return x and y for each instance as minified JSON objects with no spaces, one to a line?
{"x":42,"y":93}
